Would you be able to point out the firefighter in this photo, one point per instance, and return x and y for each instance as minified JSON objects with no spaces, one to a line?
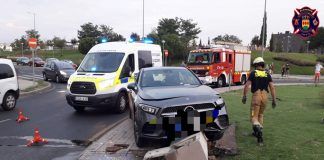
{"x":260,"y":81}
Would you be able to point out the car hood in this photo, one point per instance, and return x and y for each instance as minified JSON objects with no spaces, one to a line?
{"x":185,"y":93}
{"x":69,"y":71}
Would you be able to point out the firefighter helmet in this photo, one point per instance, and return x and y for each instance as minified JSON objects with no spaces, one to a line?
{"x":258,"y":60}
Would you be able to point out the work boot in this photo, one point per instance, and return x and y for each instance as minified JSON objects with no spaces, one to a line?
{"x":258,"y":134}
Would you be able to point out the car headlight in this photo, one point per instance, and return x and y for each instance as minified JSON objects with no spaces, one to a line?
{"x":149,"y":109}
{"x":63,"y":73}
{"x":220,"y":102}
{"x":105,"y":83}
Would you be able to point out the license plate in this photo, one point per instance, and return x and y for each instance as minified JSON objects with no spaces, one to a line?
{"x":81,"y":98}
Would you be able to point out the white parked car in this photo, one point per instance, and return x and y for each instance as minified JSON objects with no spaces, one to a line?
{"x":9,"y":90}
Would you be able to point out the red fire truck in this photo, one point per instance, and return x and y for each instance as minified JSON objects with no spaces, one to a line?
{"x":221,"y":64}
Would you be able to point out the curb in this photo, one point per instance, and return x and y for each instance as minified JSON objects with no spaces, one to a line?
{"x":105,"y":130}
{"x":49,"y":85}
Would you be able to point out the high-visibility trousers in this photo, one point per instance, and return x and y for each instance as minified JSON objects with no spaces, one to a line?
{"x":258,"y":105}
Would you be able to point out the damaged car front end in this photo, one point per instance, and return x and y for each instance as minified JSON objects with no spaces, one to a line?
{"x":169,"y":110}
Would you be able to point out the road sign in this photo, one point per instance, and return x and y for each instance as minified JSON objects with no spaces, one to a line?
{"x":32,"y":42}
{"x":166,"y":52}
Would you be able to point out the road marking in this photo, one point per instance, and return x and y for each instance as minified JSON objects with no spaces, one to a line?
{"x":30,"y":77}
{"x":5,"y":120}
{"x":63,"y":91}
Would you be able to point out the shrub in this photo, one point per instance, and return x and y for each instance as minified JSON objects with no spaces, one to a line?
{"x":321,"y":59}
{"x":297,"y":62}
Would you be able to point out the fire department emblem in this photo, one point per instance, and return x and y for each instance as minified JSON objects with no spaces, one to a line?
{"x":305,"y":22}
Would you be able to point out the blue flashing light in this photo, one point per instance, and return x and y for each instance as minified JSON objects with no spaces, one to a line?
{"x":93,"y":68}
{"x":104,"y":40}
{"x":148,"y":41}
{"x":131,"y":40}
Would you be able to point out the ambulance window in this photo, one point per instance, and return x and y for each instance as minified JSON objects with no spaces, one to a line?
{"x":217,"y":58}
{"x":128,"y":66}
{"x":144,"y":59}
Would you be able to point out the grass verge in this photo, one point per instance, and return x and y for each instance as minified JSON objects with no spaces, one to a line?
{"x":292,"y":130}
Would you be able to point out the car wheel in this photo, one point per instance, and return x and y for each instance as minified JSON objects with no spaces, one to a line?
{"x":57,"y":79}
{"x":138,"y":140}
{"x":79,"y":109}
{"x":44,"y":77}
{"x":9,"y":101}
{"x":121,"y":104}
{"x":220,"y":82}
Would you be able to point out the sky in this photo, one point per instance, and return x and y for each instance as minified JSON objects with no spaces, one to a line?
{"x":63,"y":18}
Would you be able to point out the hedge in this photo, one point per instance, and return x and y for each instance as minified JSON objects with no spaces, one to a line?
{"x":297,"y":62}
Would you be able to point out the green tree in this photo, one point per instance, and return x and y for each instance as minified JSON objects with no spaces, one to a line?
{"x":32,"y":34}
{"x":59,"y":43}
{"x":228,"y":38}
{"x":134,"y":36}
{"x":88,"y":30}
{"x":16,"y":45}
{"x":265,"y":33}
{"x":317,"y":41}
{"x":85,"y":44}
{"x":271,"y":44}
{"x":74,"y":41}
{"x":255,"y":41}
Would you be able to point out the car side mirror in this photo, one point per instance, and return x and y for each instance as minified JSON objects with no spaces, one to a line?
{"x":132,"y":86}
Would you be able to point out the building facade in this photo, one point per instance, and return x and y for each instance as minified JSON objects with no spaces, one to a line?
{"x":287,"y":42}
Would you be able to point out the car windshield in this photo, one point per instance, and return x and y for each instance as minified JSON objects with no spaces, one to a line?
{"x":105,"y":62}
{"x":199,"y":58}
{"x":168,"y":77}
{"x":38,"y":59}
{"x":65,"y":65}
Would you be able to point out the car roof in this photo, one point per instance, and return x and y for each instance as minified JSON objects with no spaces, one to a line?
{"x":5,"y":61}
{"x":163,"y":68}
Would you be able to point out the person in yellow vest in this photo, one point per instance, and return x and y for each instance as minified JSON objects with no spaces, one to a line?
{"x":260,"y":81}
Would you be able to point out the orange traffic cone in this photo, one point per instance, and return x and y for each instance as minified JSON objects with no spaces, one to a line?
{"x":37,"y":139}
{"x":21,"y":117}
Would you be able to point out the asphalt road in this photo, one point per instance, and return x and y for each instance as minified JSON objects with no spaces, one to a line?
{"x":56,"y":121}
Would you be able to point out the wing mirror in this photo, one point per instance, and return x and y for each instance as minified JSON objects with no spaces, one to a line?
{"x":132,"y":86}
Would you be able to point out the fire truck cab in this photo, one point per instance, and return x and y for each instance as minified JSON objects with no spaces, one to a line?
{"x":221,"y":64}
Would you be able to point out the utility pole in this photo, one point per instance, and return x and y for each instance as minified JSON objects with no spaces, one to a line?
{"x":288,"y":43}
{"x":143,"y":19}
{"x":264,"y":22}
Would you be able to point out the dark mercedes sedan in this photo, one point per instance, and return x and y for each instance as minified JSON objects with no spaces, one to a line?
{"x":171,"y":103}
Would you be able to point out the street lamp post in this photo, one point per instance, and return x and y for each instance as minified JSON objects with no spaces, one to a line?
{"x":143,"y":18}
{"x":163,"y":56}
{"x":22,"y":49}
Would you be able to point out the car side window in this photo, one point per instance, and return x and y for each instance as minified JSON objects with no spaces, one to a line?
{"x":6,"y":71}
{"x":52,"y":65}
{"x":217,"y":58}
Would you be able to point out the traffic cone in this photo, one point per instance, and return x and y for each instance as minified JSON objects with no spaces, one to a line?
{"x":37,"y":139}
{"x":21,"y":117}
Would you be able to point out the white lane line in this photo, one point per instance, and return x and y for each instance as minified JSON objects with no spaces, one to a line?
{"x":61,"y":91}
{"x":5,"y":120}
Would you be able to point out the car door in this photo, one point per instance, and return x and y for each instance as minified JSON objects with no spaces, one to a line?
{"x":52,"y":71}
{"x":6,"y":79}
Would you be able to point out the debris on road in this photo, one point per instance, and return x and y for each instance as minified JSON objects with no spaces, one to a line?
{"x":116,"y":147}
{"x":37,"y":139}
{"x":227,"y":144}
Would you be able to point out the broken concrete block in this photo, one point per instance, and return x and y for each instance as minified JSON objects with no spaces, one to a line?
{"x":193,"y":147}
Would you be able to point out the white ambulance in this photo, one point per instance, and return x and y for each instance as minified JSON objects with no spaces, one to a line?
{"x":102,"y":78}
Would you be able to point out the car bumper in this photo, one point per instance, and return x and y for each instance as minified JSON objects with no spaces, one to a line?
{"x":208,"y":79}
{"x":95,"y":101}
{"x":165,"y":128}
